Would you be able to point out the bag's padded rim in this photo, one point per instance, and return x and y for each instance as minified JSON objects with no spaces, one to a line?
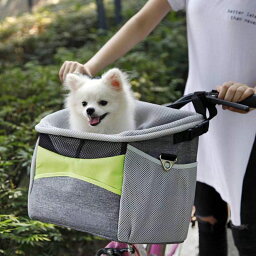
{"x":119,"y":137}
{"x":152,"y":121}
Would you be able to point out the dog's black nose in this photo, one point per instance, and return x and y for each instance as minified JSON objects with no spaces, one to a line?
{"x":90,"y":111}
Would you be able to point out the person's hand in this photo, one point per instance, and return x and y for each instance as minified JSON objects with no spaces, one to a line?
{"x":234,"y":92}
{"x":72,"y":67}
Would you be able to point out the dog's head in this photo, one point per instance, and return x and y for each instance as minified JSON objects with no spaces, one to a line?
{"x":98,"y":99}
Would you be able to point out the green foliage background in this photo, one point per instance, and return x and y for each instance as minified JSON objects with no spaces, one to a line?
{"x":32,"y":49}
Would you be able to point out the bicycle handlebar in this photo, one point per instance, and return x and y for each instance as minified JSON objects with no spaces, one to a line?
{"x":249,"y":102}
{"x":205,"y":104}
{"x":212,"y":97}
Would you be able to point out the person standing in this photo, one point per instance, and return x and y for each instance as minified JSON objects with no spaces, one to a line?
{"x":222,"y":54}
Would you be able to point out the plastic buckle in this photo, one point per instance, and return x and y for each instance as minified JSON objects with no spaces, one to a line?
{"x":191,"y":133}
{"x":198,"y":130}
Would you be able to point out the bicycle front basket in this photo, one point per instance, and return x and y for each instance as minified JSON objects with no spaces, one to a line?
{"x":116,"y":186}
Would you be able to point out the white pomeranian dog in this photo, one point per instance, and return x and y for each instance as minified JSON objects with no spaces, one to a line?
{"x":105,"y":105}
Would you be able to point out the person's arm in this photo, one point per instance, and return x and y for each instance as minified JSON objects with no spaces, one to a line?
{"x":132,"y":32}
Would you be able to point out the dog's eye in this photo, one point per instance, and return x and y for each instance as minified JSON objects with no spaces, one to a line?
{"x":103,"y":102}
{"x":84,"y":103}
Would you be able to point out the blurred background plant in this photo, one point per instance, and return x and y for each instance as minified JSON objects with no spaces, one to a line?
{"x":33,"y":45}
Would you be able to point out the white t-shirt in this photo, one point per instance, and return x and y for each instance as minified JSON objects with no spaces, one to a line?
{"x":222,"y":47}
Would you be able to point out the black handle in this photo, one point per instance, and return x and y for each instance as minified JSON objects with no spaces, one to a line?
{"x":228,"y":103}
{"x":245,"y":105}
{"x":250,"y":101}
{"x":212,"y":97}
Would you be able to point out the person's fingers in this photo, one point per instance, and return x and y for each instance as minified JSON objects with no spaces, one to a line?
{"x":235,"y":92}
{"x":239,"y":92}
{"x":62,"y":71}
{"x":80,"y":69}
{"x":247,"y":93}
{"x":67,"y":69}
{"x":72,"y":67}
{"x":230,"y":92}
{"x":242,"y":92}
{"x":83,"y":70}
{"x":223,"y":89}
{"x":76,"y":68}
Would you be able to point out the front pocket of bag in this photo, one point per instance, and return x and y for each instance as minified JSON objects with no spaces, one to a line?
{"x":103,"y":172}
{"x":155,"y":204}
{"x":83,"y":194}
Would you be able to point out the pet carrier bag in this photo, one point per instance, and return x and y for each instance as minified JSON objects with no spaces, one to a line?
{"x":133,"y":187}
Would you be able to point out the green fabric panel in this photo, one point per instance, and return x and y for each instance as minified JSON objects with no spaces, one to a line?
{"x":103,"y":172}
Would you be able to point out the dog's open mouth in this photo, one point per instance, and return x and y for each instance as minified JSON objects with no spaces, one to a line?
{"x":95,"y":120}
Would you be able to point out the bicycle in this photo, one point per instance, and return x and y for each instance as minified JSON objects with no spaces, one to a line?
{"x":202,"y":102}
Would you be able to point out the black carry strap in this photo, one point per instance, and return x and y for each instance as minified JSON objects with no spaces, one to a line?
{"x":201,"y":106}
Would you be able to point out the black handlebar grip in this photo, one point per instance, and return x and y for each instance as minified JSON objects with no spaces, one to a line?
{"x":250,"y":101}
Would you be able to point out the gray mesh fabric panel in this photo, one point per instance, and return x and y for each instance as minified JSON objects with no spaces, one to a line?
{"x":100,"y":149}
{"x":155,"y":205}
{"x":186,"y":151}
{"x":74,"y":203}
{"x":88,"y":149}
{"x":64,"y":145}
{"x":80,"y":148}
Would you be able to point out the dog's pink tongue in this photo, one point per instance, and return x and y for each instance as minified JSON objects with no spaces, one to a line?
{"x":94,"y":120}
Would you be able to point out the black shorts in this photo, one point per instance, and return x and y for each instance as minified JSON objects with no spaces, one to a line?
{"x":209,"y":203}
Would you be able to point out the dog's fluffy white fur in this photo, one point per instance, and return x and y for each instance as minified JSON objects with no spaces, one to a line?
{"x":104,"y":105}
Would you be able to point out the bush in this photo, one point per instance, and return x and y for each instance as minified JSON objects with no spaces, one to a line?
{"x":32,"y":49}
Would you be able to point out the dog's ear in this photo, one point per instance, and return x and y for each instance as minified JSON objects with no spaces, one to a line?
{"x":73,"y":81}
{"x":115,"y":78}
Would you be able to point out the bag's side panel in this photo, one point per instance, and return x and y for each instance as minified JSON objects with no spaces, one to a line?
{"x":33,"y":167}
{"x":155,"y":204}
